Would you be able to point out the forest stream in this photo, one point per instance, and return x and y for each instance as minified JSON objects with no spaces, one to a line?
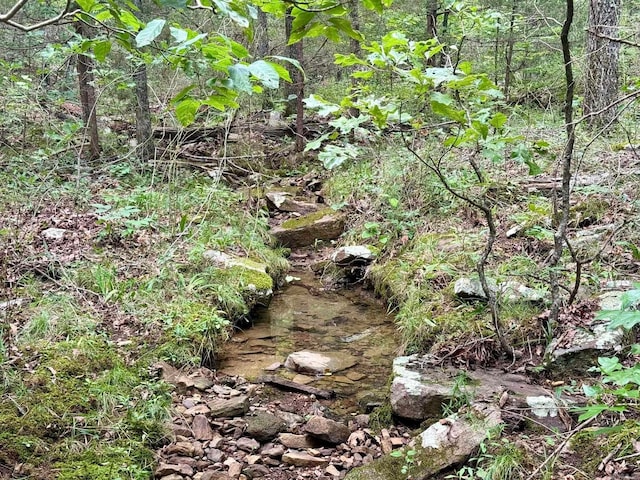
{"x":306,"y":317}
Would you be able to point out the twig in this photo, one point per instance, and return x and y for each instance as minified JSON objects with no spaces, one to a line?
{"x":560,"y":447}
{"x":608,"y":458}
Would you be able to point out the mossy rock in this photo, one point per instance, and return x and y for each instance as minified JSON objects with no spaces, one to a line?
{"x":303,"y":231}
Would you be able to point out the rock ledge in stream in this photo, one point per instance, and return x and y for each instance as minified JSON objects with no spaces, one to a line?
{"x":319,"y":362}
{"x":304,"y":231}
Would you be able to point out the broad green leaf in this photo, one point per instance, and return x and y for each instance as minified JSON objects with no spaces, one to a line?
{"x":626,"y":319}
{"x":498,"y":120}
{"x":283,"y":73}
{"x":317,"y":143}
{"x":323,"y":107}
{"x":86,"y":5}
{"x":332,"y":156}
{"x":177,"y":4}
{"x":630,"y":299}
{"x":179,"y":35}
{"x":186,"y":110}
{"x":344,"y":26}
{"x":375,"y":5}
{"x":128,"y":19}
{"x":149,"y":33}
{"x":229,"y":10}
{"x":609,"y":364}
{"x":101,"y":50}
{"x":265,"y":73}
{"x":292,"y":61}
{"x":239,"y":78}
{"x":301,"y":19}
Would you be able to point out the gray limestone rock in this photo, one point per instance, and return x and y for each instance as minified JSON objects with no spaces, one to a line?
{"x":319,"y":362}
{"x":327,"y":430}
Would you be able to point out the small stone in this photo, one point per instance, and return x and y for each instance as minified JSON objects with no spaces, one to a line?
{"x":291,"y":440}
{"x":201,"y":428}
{"x":247,"y":444}
{"x":396,"y":442}
{"x":173,"y":476}
{"x":333,"y":471}
{"x":187,"y":449}
{"x":355,"y":376}
{"x":197,"y":410}
{"x":257,"y":471}
{"x":327,"y":430}
{"x":273,"y":367}
{"x":303,"y":379}
{"x":386,"y":445}
{"x":166,"y":469}
{"x":302,"y":459}
{"x":215,"y":455}
{"x":235,"y":467}
{"x":53,"y":233}
{"x":264,"y":426}
{"x":273,"y":451}
{"x":252,"y":459}
{"x":229,"y":408}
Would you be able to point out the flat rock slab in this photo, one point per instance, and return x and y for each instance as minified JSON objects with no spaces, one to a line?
{"x":353,"y":255}
{"x":576,"y":348}
{"x":445,"y":443}
{"x":232,"y":407}
{"x":306,"y":361}
{"x":287,"y":202}
{"x":420,"y":388}
{"x":304,"y":231}
{"x":303,"y":459}
{"x":471,"y":289}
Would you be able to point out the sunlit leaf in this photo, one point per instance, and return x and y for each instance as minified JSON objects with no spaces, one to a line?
{"x":101,"y":50}
{"x":265,"y":73}
{"x":149,"y":33}
{"x":186,"y":110}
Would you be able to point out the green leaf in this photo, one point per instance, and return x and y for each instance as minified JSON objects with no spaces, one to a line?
{"x":283,"y":73}
{"x":630,"y":299}
{"x":324,"y":108}
{"x":182,"y":93}
{"x":498,"y":120}
{"x":86,"y":5}
{"x":239,"y":78}
{"x":265,"y":73}
{"x":149,"y":33}
{"x":317,"y":143}
{"x":332,"y":156}
{"x":179,"y":35}
{"x":620,"y":318}
{"x":229,"y":10}
{"x":344,"y":26}
{"x":128,"y":19}
{"x":101,"y":49}
{"x":186,"y":110}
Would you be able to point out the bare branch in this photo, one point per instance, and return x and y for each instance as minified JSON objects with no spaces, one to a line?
{"x":613,"y":39}
{"x":7,"y":17}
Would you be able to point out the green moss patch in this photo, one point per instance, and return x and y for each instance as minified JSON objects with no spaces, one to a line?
{"x":305,"y":220}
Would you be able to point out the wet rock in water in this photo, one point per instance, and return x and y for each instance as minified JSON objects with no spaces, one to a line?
{"x":291,"y":440}
{"x":303,"y":459}
{"x":327,"y":430}
{"x":351,"y":256}
{"x":319,"y":362}
{"x":304,"y":231}
{"x":577,"y":347}
{"x":447,"y":442}
{"x":232,"y":407}
{"x":471,"y":289}
{"x":286,"y":202}
{"x":264,"y":426}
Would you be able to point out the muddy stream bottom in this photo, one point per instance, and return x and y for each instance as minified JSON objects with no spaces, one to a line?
{"x":304,"y":316}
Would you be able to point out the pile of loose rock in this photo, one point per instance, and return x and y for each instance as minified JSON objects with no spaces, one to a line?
{"x":228,"y":429}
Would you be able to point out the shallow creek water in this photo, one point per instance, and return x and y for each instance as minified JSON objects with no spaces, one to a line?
{"x":303,"y":316}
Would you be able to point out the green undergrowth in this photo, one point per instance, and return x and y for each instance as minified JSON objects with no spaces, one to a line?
{"x":127,"y":286}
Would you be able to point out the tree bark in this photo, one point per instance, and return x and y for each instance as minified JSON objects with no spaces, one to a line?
{"x":262,"y":35}
{"x":87,"y":93}
{"x":432,"y":28}
{"x":509,"y":51}
{"x":299,"y":82}
{"x":601,"y":82}
{"x":144,"y":134}
{"x":289,"y":88}
{"x":561,"y":210}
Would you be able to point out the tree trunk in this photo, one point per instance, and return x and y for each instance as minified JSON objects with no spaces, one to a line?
{"x":354,"y":17}
{"x":144,"y":134}
{"x":299,"y":83}
{"x":509,"y":52}
{"x":601,"y":82}
{"x":87,"y":93}
{"x":432,"y":28}
{"x":262,"y":35}
{"x":289,"y":88}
